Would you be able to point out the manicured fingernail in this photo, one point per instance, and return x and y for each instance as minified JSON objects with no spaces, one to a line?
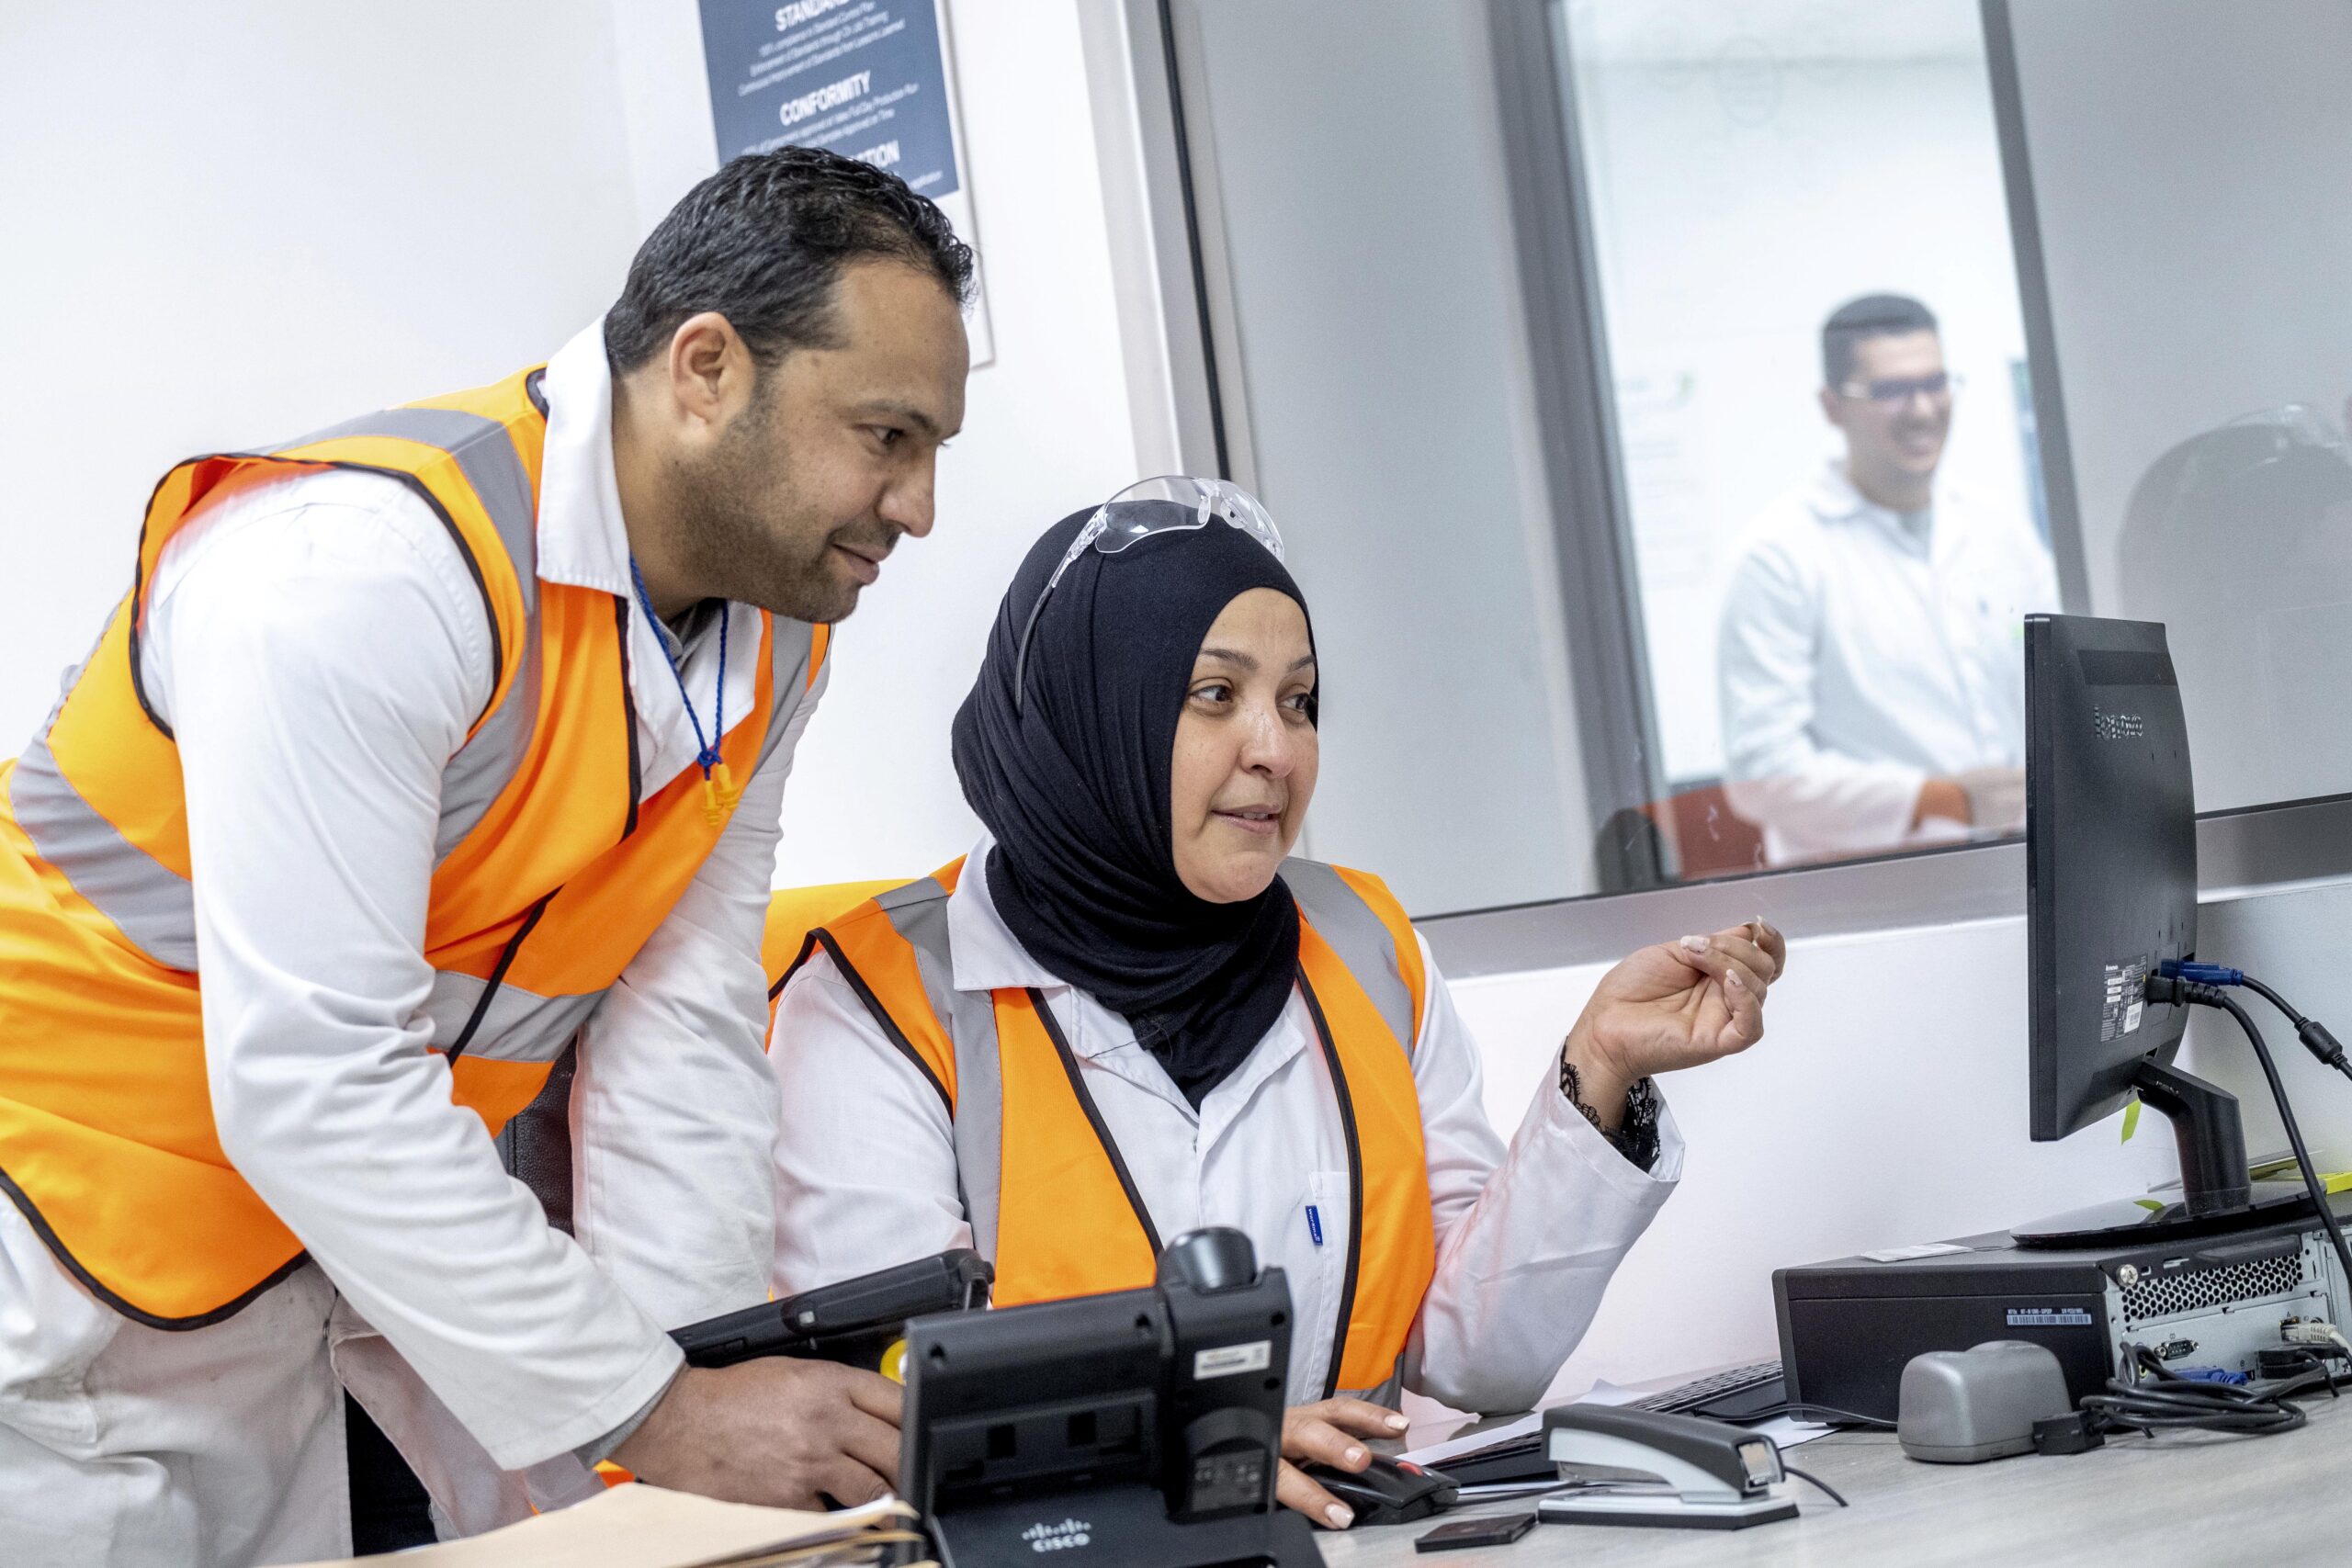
{"x":1355,"y":1456}
{"x":1399,"y":1423}
{"x":1731,"y":978}
{"x":1337,"y":1517}
{"x":1694,"y":944}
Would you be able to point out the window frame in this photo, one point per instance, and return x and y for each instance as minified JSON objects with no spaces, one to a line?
{"x":2247,"y":850}
{"x":2051,"y":444}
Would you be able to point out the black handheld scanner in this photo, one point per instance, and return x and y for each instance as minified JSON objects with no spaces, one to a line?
{"x":855,"y":1322}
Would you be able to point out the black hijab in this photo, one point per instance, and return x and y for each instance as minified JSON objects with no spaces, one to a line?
{"x":1075,"y":786}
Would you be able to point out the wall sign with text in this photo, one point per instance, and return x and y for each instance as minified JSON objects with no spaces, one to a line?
{"x":869,"y":79}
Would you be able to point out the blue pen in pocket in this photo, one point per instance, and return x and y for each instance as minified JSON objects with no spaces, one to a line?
{"x":1315,"y":1225}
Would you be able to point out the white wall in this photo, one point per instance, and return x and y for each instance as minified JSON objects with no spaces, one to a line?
{"x":1751,"y":167}
{"x":2294,"y":939}
{"x":1880,"y":1109}
{"x":225,"y":225}
{"x":258,"y":222}
{"x":1045,"y":431}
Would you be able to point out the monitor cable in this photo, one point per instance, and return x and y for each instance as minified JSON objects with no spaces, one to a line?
{"x":2310,"y":1030}
{"x":2179,"y":990}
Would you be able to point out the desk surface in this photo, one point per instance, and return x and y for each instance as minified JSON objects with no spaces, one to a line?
{"x":2185,"y":1499}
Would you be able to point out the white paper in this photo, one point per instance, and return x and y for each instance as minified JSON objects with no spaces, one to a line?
{"x":1438,"y":1454}
{"x":1923,"y":1249}
{"x":1607,"y":1392}
{"x":1788,"y":1431}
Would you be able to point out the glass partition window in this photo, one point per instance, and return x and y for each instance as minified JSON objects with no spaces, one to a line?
{"x":1672,"y":433}
{"x":1797,"y":225}
{"x":2191,"y":175}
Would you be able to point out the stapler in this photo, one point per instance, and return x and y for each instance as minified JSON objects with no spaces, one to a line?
{"x":1672,"y":1471}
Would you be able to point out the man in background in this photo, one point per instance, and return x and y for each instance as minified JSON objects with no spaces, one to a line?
{"x":1870,"y":659}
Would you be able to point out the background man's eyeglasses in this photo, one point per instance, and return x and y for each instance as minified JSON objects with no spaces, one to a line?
{"x":1890,"y":394}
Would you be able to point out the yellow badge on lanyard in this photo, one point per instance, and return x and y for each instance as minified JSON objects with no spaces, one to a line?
{"x":719,"y":793}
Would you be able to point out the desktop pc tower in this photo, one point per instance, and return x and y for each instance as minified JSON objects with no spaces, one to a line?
{"x":2208,"y":1279}
{"x":1848,"y":1327}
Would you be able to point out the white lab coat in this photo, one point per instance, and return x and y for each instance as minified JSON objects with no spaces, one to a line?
{"x":1860,"y":655}
{"x":1526,"y":1237}
{"x":321,"y":652}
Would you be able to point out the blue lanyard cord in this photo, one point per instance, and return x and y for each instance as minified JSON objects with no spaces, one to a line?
{"x":708,"y":753}
{"x":718,"y":791}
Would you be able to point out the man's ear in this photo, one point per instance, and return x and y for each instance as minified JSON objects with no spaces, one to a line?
{"x":710,"y":368}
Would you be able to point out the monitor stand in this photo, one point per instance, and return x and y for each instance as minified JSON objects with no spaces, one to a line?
{"x":2216,"y":1194}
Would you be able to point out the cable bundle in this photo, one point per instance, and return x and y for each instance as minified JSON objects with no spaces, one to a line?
{"x":2147,"y":1396}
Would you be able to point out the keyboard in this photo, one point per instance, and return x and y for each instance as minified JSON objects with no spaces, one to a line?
{"x":1758,"y":1386}
{"x":1742,"y":1394}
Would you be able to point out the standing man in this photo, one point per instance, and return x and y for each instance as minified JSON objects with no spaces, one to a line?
{"x":1871,"y":655}
{"x":419,"y":750}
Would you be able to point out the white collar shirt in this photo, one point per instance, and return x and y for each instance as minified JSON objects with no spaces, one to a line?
{"x":1527,"y":1235}
{"x":581,"y":542}
{"x":1861,"y":652}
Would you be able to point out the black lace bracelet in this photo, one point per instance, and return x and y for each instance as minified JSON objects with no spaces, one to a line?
{"x":1636,"y":1137}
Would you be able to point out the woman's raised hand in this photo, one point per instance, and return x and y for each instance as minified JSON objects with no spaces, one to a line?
{"x":1675,"y":1005}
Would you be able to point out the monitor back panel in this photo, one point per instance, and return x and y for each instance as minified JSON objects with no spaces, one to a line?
{"x":2110,"y":858}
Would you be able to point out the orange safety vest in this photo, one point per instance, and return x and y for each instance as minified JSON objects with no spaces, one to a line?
{"x":1047,"y":1194}
{"x":551,"y":872}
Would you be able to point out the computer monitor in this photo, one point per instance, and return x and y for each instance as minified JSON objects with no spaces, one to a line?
{"x":2110,"y":860}
{"x":2110,"y":895}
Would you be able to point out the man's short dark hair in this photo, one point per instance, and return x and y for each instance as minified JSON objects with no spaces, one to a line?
{"x":1873,"y":315}
{"x":763,"y":240}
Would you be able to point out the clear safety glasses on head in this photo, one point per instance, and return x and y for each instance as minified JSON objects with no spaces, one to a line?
{"x":1173,"y":504}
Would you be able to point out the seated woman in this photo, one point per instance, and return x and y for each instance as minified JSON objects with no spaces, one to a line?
{"x":1126,"y":1014}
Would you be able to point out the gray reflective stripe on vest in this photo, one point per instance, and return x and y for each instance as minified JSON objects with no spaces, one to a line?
{"x":152,"y":905}
{"x":485,"y":454}
{"x":789,"y":645}
{"x":487,"y":762}
{"x":919,"y":913}
{"x":519,"y":1027}
{"x":1358,"y":935}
